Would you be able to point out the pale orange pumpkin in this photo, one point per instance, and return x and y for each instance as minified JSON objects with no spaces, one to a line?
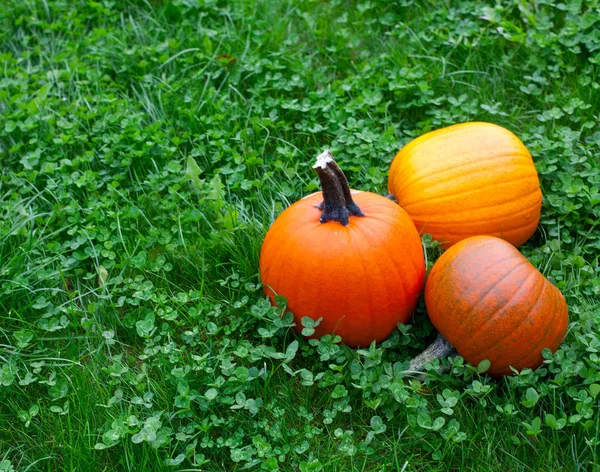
{"x":353,"y":259}
{"x":466,"y":180}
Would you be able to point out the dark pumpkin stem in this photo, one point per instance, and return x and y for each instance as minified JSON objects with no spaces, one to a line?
{"x":391,"y":197}
{"x":438,"y":349}
{"x":337,"y":204}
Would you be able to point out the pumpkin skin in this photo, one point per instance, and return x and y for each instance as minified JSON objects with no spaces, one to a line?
{"x":491,"y":303}
{"x":467,"y":180}
{"x":361,"y":279}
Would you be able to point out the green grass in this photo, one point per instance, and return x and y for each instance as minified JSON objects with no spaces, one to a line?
{"x":146,"y":147}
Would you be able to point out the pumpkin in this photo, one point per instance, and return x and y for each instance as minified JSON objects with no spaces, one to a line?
{"x":491,"y":303}
{"x":353,"y":259}
{"x":467,"y":180}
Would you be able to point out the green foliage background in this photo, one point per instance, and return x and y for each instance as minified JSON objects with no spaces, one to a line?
{"x":146,"y":147}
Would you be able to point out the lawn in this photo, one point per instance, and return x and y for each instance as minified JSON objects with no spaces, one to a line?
{"x":146,"y":148}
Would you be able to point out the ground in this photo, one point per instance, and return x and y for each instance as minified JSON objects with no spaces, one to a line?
{"x":146,"y":148}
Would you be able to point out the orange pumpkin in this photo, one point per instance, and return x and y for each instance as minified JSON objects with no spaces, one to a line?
{"x":491,"y":303}
{"x":467,"y":180}
{"x":353,"y":259}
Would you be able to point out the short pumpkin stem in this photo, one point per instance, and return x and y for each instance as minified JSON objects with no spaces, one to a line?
{"x":337,"y":204}
{"x":438,"y":349}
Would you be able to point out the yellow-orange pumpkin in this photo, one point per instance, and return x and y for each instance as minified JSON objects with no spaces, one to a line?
{"x":466,"y":180}
{"x":491,"y":303}
{"x":353,"y":259}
